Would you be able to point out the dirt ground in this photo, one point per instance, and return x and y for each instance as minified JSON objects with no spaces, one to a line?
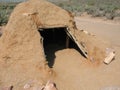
{"x":72,"y":73}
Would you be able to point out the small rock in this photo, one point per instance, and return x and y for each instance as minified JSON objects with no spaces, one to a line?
{"x":50,"y":86}
{"x":92,"y":59}
{"x":27,"y":86}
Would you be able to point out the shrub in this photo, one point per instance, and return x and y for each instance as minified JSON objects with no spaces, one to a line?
{"x":5,"y":11}
{"x":97,"y":8}
{"x":109,"y":16}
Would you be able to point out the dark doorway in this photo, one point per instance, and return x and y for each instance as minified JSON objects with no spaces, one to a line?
{"x":55,"y":39}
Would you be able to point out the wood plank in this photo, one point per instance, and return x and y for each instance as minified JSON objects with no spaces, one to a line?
{"x":109,"y":58}
{"x":67,"y":41}
{"x":82,"y":49}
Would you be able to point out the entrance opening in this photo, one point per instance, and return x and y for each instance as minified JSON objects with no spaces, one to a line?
{"x":55,"y":39}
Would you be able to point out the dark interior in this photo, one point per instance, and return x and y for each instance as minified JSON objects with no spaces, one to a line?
{"x":54,"y":39}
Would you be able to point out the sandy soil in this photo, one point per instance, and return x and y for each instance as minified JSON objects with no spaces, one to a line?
{"x":72,"y":73}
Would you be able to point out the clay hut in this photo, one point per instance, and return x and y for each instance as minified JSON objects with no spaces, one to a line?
{"x":32,"y":26}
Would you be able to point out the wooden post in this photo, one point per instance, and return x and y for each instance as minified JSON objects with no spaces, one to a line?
{"x":83,"y":50}
{"x":67,"y":41}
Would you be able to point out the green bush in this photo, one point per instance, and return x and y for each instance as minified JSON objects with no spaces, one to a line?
{"x":5,"y":11}
{"x":97,"y":8}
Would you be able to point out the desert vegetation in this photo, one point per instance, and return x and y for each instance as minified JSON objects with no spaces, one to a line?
{"x":5,"y":11}
{"x":110,"y":9}
{"x":97,"y":8}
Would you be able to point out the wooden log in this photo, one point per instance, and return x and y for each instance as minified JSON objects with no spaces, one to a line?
{"x":109,"y":58}
{"x":67,"y":41}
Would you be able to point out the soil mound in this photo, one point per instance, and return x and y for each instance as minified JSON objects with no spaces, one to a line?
{"x":22,"y":56}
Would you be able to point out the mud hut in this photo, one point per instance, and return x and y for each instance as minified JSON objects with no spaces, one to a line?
{"x":29,"y":30}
